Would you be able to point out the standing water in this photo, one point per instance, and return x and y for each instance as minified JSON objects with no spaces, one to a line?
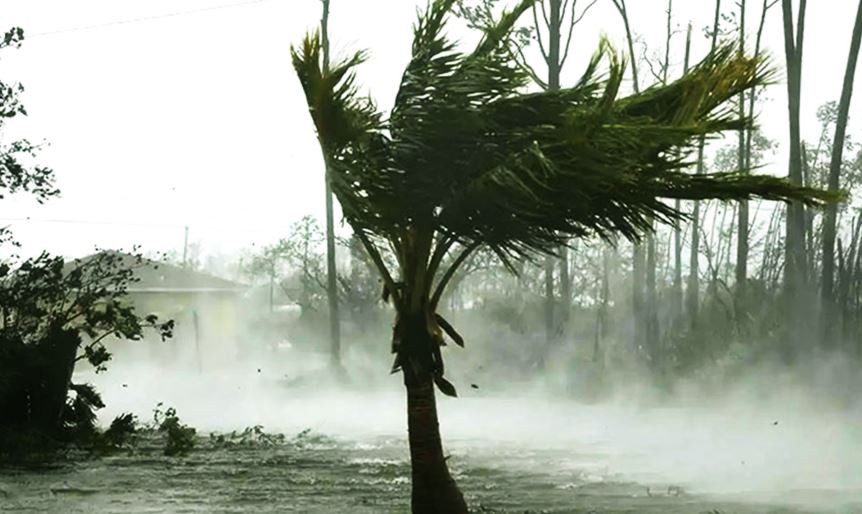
{"x":346,"y":452}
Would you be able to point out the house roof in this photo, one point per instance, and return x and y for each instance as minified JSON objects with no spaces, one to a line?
{"x":161,"y":277}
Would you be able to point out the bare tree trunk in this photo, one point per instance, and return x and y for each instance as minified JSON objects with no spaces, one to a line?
{"x":271,"y":291}
{"x":621,"y":7}
{"x":693,"y":289}
{"x":651,"y":307}
{"x":553,"y":61}
{"x":828,"y":307}
{"x":602,"y":315}
{"x":742,"y":232}
{"x":554,"y":58}
{"x":676,"y":298}
{"x":639,"y":316}
{"x":549,"y":301}
{"x":331,"y":278}
{"x":554,"y":38}
{"x":565,"y":288}
{"x":638,"y":286}
{"x":808,"y":214}
{"x":744,"y":222}
{"x":677,"y":231}
{"x":794,"y":272}
{"x":848,"y":282}
{"x":652,"y":326}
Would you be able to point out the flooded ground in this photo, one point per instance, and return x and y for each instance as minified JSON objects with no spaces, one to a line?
{"x":346,"y":452}
{"x":324,"y":475}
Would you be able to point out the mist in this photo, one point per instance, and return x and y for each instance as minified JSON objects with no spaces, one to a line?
{"x":477,"y":268}
{"x":747,"y":435}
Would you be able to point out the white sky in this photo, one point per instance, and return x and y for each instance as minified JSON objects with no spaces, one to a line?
{"x":197,"y":119}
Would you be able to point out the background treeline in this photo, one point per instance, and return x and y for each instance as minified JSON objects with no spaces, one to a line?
{"x":737,"y":284}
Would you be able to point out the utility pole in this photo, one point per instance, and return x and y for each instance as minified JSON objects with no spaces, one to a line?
{"x":331,"y":283}
{"x":185,"y":246}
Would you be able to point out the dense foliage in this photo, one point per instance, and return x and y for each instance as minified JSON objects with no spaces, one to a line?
{"x":54,"y":314}
{"x":468,"y":158}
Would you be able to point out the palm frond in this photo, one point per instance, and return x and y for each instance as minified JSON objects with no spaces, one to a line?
{"x":340,"y":115}
{"x":469,"y":153}
{"x":469,"y":158}
{"x":581,"y":161}
{"x":351,"y":133}
{"x":497,"y":34}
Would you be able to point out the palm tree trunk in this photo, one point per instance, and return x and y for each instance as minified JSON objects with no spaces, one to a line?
{"x":434,"y":489}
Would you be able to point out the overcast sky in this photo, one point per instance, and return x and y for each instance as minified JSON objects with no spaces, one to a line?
{"x":166,"y":113}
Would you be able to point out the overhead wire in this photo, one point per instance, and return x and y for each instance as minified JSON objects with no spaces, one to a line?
{"x":225,"y":228}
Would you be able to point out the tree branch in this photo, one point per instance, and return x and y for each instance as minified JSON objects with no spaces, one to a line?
{"x":564,"y":7}
{"x":421,"y":248}
{"x":583,"y":13}
{"x":657,"y":75}
{"x":544,"y":13}
{"x":800,"y":30}
{"x":621,"y":7}
{"x":539,"y":34}
{"x":574,"y":21}
{"x":443,"y":245}
{"x":751,"y":97}
{"x":667,"y":41}
{"x":444,"y":280}
{"x":381,"y":266}
{"x":522,"y":62}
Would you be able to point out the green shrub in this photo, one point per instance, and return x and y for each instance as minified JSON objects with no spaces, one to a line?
{"x":180,"y":438}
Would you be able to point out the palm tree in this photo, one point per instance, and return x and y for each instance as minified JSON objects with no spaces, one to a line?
{"x":468,"y":159}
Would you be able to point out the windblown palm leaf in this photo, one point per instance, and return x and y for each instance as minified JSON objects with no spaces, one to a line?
{"x":469,"y":157}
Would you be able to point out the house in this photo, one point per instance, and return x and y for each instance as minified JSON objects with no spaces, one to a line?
{"x":205,"y":309}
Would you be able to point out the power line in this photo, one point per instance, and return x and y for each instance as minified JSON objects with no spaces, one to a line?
{"x":236,"y":228}
{"x":154,"y":17}
{"x":90,"y":222}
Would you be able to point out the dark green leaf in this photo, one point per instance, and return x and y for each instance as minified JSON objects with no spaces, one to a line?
{"x":445,"y":386}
